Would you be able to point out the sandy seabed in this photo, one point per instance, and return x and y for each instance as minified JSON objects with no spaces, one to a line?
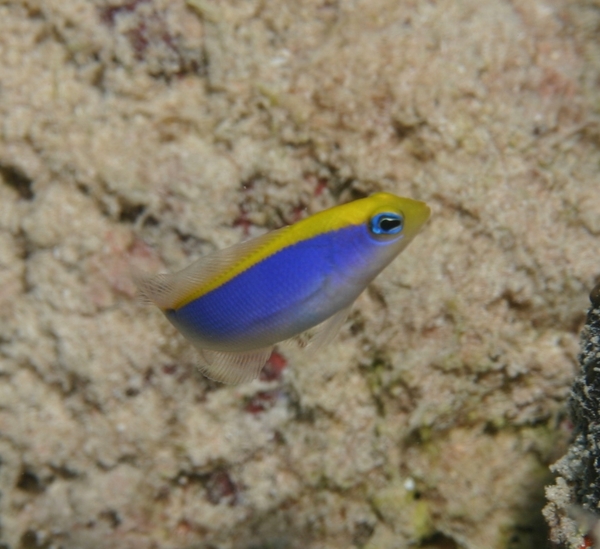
{"x":150,"y":132}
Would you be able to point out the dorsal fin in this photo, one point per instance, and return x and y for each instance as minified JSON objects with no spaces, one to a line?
{"x":171,"y":291}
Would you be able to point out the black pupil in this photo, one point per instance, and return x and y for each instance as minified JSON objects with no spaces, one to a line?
{"x":389,"y":223}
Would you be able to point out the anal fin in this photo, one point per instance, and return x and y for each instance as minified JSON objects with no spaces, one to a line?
{"x":233,"y":367}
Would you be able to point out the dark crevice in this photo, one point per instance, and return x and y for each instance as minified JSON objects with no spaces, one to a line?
{"x":130,"y":213}
{"x":362,"y":533}
{"x":30,"y":540}
{"x":17,"y":179}
{"x":29,"y":482}
{"x":402,"y":130}
{"x":514,"y":303}
{"x":112,"y":517}
{"x":532,"y":535}
{"x":132,"y":392}
{"x":220,"y":487}
{"x":439,"y":541}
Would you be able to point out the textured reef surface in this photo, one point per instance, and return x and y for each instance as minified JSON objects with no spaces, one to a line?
{"x":574,"y":500}
{"x":150,"y":132}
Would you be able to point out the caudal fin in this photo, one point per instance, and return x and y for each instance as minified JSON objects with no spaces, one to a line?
{"x":156,"y":289}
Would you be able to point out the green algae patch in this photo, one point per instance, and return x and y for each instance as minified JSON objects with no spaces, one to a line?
{"x":399,"y":507}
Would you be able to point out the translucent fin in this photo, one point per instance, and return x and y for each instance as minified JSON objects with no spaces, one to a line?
{"x":152,"y":288}
{"x":233,"y":367}
{"x":324,"y":333}
{"x":320,"y":335}
{"x":165,"y":290}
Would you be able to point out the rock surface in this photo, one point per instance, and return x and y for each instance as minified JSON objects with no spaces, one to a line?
{"x":574,"y":501}
{"x":149,"y":132}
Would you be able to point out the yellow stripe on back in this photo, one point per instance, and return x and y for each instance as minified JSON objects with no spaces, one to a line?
{"x":243,"y":256}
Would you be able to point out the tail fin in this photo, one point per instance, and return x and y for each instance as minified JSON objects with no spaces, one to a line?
{"x":156,"y":289}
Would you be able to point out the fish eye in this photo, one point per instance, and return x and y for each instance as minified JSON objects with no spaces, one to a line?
{"x":386,"y":223}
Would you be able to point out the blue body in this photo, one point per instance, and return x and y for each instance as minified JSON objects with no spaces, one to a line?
{"x":284,"y":294}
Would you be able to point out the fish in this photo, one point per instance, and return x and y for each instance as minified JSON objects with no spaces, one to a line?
{"x":300,"y":281}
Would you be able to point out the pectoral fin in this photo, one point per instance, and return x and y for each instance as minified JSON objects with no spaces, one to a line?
{"x":317,"y":337}
{"x":323,"y":333}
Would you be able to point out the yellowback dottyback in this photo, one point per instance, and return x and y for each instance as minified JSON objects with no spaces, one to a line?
{"x":235,"y":304}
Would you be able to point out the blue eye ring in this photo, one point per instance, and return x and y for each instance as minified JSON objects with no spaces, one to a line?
{"x":386,"y":223}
